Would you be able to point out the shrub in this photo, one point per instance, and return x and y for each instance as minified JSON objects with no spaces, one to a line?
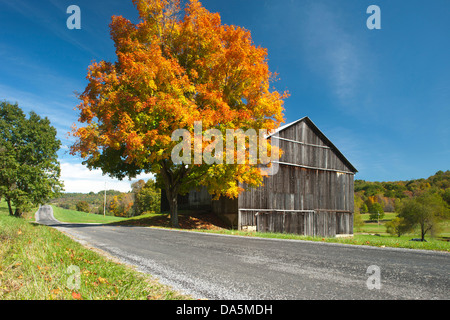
{"x":396,"y":227}
{"x":83,"y":206}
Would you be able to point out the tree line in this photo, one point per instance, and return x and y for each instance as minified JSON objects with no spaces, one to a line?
{"x":144,"y":197}
{"x":419,"y":203}
{"x":30,"y":171}
{"x":385,"y":196}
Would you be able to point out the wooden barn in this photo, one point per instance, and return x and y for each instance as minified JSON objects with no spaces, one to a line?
{"x":311,"y":193}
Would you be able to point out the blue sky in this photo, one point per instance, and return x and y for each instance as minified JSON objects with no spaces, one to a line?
{"x":382,"y":96}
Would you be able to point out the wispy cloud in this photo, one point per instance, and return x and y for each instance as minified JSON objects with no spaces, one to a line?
{"x":333,"y":52}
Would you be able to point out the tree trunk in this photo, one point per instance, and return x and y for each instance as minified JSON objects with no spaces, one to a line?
{"x":172,"y":197}
{"x":423,"y":230}
{"x":8,"y":201}
{"x":173,"y":204}
{"x":17,"y":213}
{"x":173,"y":180}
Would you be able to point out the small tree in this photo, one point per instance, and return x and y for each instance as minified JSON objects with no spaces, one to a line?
{"x":425,"y":211}
{"x":376,"y":211}
{"x":357,"y":219}
{"x":121,"y":205}
{"x":364,"y":208}
{"x":148,"y":198}
{"x":83,"y":206}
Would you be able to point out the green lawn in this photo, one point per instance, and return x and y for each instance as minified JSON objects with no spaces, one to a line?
{"x":376,"y":234}
{"x":375,"y":227}
{"x":73,"y":216}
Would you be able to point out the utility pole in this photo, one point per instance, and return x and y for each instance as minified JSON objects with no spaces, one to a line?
{"x":104,"y":203}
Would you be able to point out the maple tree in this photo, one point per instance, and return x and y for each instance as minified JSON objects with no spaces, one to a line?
{"x":174,"y":68}
{"x":121,"y":205}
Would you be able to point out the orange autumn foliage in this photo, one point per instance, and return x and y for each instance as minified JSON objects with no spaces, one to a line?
{"x":174,"y":69}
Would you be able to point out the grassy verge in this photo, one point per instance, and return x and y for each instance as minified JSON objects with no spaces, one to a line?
{"x":41,"y":263}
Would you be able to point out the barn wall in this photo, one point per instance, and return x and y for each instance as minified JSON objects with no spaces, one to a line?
{"x":311,"y":194}
{"x":200,"y":199}
{"x":309,"y":223}
{"x":228,"y":209}
{"x":295,"y":188}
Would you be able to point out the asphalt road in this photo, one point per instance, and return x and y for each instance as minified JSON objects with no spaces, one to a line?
{"x":237,"y":268}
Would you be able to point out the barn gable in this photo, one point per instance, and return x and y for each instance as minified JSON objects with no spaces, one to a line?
{"x":305,"y":145}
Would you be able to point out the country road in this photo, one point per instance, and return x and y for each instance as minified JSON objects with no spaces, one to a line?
{"x":237,"y":268}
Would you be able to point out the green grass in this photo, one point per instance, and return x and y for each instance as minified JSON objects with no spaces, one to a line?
{"x":36,"y":262}
{"x":375,"y":227}
{"x":387,"y":216}
{"x":73,"y":216}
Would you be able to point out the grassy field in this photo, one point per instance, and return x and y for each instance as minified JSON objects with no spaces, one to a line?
{"x":374,"y":226}
{"x":41,"y":263}
{"x":73,"y":216}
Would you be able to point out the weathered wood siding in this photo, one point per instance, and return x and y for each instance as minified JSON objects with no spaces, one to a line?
{"x":309,"y":223}
{"x":302,"y":145}
{"x":295,"y":188}
{"x":311,"y":194}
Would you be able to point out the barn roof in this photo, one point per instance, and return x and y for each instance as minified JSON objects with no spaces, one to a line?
{"x":317,"y":131}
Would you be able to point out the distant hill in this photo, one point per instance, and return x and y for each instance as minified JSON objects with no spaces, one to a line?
{"x":387,"y":193}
